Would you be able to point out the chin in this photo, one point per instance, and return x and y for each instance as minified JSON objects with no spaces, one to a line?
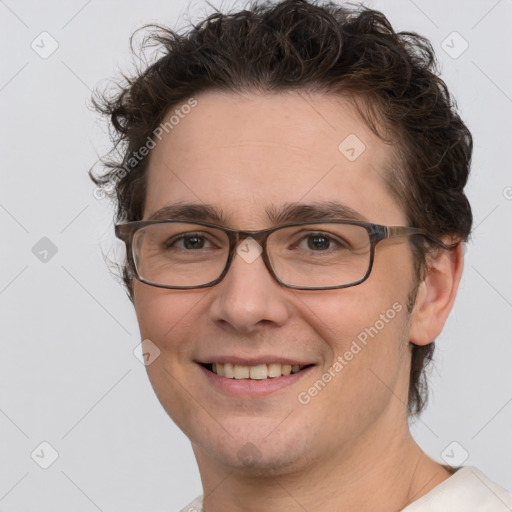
{"x":256,"y":452}
{"x":251,"y":461}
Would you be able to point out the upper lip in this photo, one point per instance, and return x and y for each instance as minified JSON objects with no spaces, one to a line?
{"x":252,"y":361}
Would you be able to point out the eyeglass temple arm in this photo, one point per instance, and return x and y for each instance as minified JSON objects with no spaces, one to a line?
{"x":395,"y":231}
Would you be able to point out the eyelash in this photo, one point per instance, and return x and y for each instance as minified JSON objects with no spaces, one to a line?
{"x":327,"y":236}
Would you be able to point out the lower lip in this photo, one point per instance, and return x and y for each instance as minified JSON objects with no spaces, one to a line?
{"x":252,"y":388}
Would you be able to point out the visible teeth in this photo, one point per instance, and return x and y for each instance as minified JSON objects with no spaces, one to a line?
{"x":256,"y":372}
{"x":241,"y":372}
{"x":229,"y":371}
{"x":274,"y":370}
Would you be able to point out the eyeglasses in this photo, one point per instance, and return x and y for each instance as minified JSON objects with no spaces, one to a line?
{"x":324,"y":255}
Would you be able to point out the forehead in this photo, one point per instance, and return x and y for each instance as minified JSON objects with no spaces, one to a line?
{"x":250,"y":154}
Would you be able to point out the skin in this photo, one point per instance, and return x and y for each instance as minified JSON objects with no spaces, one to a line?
{"x":243,"y":153}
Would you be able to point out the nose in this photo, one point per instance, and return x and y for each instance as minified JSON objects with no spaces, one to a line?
{"x":249,"y":297}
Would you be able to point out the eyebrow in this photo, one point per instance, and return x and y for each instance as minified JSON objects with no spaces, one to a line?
{"x":289,"y":212}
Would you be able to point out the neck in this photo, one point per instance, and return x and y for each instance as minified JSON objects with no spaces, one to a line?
{"x":391,"y":470}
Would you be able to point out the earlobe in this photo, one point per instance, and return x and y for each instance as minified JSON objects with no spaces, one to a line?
{"x":436,"y":295}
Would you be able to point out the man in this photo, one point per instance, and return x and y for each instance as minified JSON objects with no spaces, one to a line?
{"x":291,"y":197}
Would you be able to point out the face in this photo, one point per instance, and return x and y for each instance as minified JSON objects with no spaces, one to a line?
{"x":244,"y":155}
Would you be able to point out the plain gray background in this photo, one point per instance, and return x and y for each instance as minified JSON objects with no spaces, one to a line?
{"x":68,"y":374}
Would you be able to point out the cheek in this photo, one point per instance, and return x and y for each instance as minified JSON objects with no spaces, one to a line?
{"x":367,"y":366}
{"x":166,"y":319}
{"x":368,"y":357}
{"x":364,"y":330}
{"x":164,"y":315}
{"x":361,"y":313}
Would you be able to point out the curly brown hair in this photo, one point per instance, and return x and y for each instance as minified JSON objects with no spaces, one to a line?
{"x":392,"y":77}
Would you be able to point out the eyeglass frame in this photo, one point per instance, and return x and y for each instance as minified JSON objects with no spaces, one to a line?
{"x":376,"y":232}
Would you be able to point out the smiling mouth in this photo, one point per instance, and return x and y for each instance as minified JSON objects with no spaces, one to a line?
{"x":256,"y":372}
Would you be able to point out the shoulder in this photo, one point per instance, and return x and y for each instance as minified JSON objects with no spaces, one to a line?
{"x":195,"y":506}
{"x":467,"y":489}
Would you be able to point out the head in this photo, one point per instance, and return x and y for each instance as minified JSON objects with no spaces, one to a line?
{"x":248,"y":113}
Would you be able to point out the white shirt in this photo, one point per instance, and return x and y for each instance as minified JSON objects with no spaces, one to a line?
{"x":467,"y":490}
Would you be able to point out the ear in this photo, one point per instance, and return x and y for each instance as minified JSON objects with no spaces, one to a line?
{"x":436,"y":294}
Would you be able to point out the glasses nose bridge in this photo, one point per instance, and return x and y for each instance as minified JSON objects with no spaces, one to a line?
{"x":258,"y":236}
